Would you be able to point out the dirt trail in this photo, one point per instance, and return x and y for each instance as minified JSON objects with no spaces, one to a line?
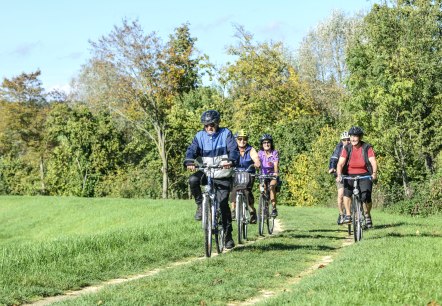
{"x":265,"y":294}
{"x":321,"y":263}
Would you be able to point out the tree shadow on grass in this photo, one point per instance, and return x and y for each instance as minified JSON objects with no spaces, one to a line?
{"x":341,"y":229}
{"x":399,"y":235}
{"x":390,"y":225}
{"x":277,"y":246}
{"x":296,"y":235}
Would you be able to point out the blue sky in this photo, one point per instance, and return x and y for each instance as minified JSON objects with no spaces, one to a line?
{"x":53,"y":35}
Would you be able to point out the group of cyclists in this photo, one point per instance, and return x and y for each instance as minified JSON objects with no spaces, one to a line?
{"x":218,"y":145}
{"x":215,"y":145}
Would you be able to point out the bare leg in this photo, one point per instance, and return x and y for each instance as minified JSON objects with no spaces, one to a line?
{"x":347,"y":204}
{"x":341,"y":200}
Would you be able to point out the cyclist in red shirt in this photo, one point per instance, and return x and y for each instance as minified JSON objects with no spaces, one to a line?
{"x":357,"y":159}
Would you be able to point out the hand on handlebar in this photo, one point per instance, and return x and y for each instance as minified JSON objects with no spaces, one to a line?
{"x":227,"y":165}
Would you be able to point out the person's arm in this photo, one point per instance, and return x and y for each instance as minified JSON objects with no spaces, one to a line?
{"x":276,"y":163}
{"x":255,"y":158}
{"x":334,"y":158}
{"x":232,"y":149}
{"x":374,"y":166}
{"x":339,"y":167}
{"x":192,"y":153}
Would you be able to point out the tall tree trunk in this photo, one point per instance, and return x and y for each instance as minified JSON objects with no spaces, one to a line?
{"x":398,"y":149}
{"x":42,"y":176}
{"x":163,"y":155}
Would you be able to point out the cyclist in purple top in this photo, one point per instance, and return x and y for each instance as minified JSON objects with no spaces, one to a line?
{"x":269,"y":158}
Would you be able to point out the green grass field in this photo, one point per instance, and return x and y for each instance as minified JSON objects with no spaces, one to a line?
{"x":49,"y":245}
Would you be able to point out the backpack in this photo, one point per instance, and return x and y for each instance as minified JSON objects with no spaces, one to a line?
{"x":365,"y":147}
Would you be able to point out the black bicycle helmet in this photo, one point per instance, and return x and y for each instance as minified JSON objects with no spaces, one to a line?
{"x":355,"y":130}
{"x":266,"y":137}
{"x":210,"y":116}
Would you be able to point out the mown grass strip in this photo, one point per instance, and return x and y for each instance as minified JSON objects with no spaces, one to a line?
{"x":237,"y":275}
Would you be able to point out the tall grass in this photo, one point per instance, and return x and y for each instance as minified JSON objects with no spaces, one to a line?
{"x":49,"y":245}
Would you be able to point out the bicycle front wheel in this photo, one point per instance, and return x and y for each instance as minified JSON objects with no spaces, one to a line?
{"x":219,"y":232}
{"x":357,"y":219}
{"x":246,"y":219}
{"x":207,"y":224}
{"x":261,"y":214}
{"x":239,"y":216}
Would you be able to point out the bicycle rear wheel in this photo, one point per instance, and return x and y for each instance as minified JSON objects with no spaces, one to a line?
{"x":219,"y":232}
{"x":207,"y":224}
{"x":357,"y":219}
{"x":261,"y":214}
{"x":270,"y":222}
{"x":239,"y":216}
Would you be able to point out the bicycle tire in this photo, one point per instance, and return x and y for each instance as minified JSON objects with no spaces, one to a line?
{"x":219,"y":233}
{"x":239,"y":216}
{"x":246,"y":220}
{"x":357,"y":219}
{"x":207,"y":224}
{"x":270,"y":223}
{"x":261,"y":215}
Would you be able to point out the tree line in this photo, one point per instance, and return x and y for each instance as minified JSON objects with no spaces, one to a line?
{"x":135,"y":106}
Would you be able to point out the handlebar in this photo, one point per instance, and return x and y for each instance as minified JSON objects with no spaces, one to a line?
{"x":244,"y":170}
{"x":199,"y":165}
{"x":354,"y":178}
{"x":269,"y":176}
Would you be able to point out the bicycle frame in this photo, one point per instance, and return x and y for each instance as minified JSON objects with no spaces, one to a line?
{"x":242,"y":209}
{"x":211,"y":210}
{"x":356,"y":206}
{"x":264,"y":203}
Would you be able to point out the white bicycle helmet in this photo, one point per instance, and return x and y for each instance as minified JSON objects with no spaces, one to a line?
{"x":345,"y":135}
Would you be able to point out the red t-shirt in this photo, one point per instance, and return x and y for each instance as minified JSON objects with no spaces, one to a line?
{"x":357,"y":162}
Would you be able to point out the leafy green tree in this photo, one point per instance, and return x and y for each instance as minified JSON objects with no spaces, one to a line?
{"x":396,"y":84}
{"x":23,"y":113}
{"x":85,"y":148}
{"x":322,"y":60}
{"x":25,"y":88}
{"x":138,"y":77}
{"x":263,"y":85}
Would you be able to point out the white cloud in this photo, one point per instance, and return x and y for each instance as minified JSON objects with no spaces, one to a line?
{"x":25,"y":49}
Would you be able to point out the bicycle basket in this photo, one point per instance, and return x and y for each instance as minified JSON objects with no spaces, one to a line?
{"x":242,"y":180}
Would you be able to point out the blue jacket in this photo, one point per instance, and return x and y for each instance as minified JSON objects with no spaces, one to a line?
{"x":213,"y":148}
{"x":335,"y":156}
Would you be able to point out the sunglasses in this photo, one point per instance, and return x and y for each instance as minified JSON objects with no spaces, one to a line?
{"x":211,"y":125}
{"x":346,"y":139}
{"x":241,"y":139}
{"x":266,"y":142}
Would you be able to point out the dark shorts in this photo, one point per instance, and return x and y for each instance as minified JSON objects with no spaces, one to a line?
{"x":365,"y":188}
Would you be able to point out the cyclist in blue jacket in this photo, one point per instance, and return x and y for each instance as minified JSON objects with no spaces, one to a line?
{"x":345,"y":139}
{"x":212,"y":145}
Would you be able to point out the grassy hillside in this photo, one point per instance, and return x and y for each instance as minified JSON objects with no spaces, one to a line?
{"x":50,"y":245}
